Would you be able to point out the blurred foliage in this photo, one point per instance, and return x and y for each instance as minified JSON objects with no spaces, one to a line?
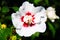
{"x":0,"y":8}
{"x":5,"y":9}
{"x":46,"y":2}
{"x":15,"y":8}
{"x":4,"y":33}
{"x":13,"y":37}
{"x":7,"y":31}
{"x":51,"y":27}
{"x":35,"y":35}
{"x":37,"y":1}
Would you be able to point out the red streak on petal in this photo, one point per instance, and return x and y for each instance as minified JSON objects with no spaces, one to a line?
{"x":33,"y":18}
{"x":22,"y":18}
{"x":32,"y":24}
{"x":32,"y":15}
{"x":25,"y":24}
{"x":33,"y":21}
{"x":28,"y":13}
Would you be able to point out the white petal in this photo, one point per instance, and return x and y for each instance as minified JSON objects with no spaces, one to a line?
{"x":16,"y":20}
{"x":39,"y":9}
{"x":51,"y":13}
{"x":41,"y":27}
{"x":40,"y":17}
{"x":26,"y":31}
{"x":31,"y":30}
{"x":26,"y":7}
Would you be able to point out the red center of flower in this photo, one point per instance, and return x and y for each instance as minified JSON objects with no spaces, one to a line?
{"x":28,"y":20}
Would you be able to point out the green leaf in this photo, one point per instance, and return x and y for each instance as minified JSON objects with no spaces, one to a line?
{"x":35,"y":35}
{"x":36,"y":1}
{"x":15,"y":8}
{"x":8,"y":17}
{"x":4,"y":33}
{"x":18,"y":37}
{"x":0,"y":25}
{"x":46,"y":2}
{"x":52,"y":28}
{"x":8,"y":31}
{"x":5,"y":9}
{"x":57,"y":23}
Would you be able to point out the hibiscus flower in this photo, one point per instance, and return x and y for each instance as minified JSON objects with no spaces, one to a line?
{"x":29,"y":19}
